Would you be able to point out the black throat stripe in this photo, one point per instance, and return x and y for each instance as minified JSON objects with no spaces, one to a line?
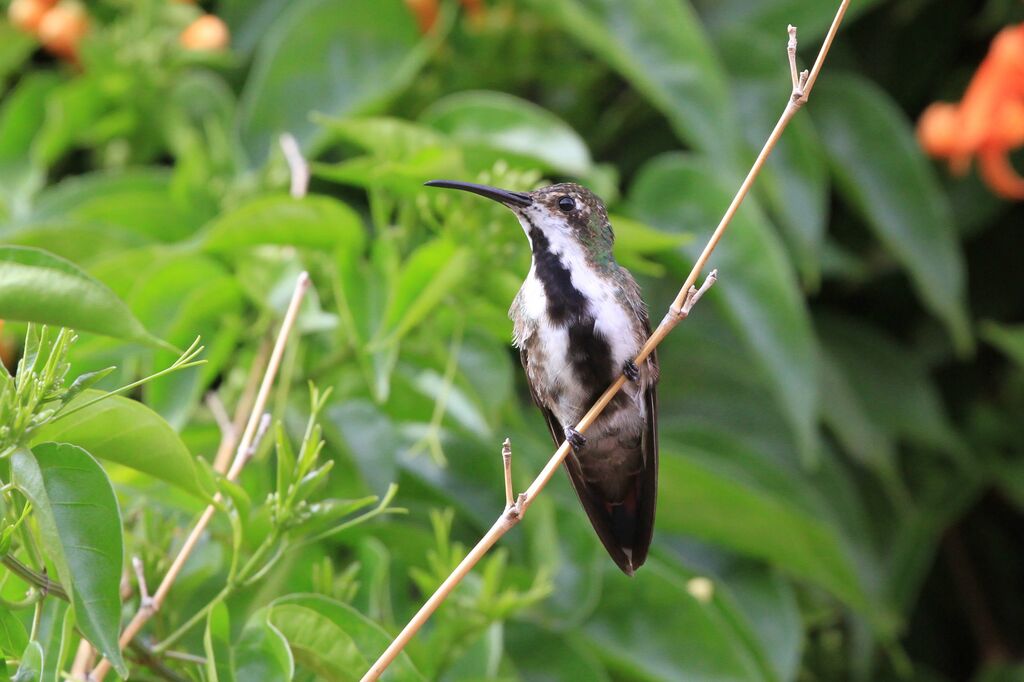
{"x":589,"y":353}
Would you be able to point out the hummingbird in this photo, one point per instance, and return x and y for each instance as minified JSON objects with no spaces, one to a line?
{"x":579,"y":320}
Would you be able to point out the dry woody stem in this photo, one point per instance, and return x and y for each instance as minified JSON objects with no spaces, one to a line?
{"x":256,"y":425}
{"x":689,"y":295}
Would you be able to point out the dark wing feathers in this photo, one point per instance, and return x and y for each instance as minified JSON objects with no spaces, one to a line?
{"x":617,"y":534}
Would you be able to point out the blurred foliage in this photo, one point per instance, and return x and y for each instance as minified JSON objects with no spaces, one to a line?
{"x":842,"y":477}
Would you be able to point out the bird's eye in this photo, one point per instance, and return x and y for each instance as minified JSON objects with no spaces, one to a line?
{"x":566,"y":204}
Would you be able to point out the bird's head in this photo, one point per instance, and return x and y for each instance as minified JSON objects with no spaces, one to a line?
{"x":566,"y":219}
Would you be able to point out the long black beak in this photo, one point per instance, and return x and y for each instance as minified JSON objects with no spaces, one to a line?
{"x":504,"y":196}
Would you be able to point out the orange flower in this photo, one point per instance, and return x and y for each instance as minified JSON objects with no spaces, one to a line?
{"x":206,"y":34}
{"x":989,"y":120}
{"x":26,"y":14}
{"x":426,"y":11}
{"x":62,"y":28}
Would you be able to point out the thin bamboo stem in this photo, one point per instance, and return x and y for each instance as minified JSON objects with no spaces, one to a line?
{"x":245,"y":445}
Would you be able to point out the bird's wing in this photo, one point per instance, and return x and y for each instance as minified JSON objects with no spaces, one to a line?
{"x":624,"y":530}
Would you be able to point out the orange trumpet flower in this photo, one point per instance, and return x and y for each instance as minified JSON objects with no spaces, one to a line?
{"x":988,"y":122}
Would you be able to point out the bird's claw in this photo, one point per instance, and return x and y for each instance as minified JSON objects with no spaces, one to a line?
{"x":631,"y":371}
{"x":576,"y":439}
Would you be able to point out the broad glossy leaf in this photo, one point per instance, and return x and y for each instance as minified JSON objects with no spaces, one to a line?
{"x":56,"y":630}
{"x":78,"y":242}
{"x":714,"y":505}
{"x":882,"y":172}
{"x":36,"y":286}
{"x":401,"y":155}
{"x":140,"y":201}
{"x":13,"y":636}
{"x":129,"y":433}
{"x":361,"y":639}
{"x":843,"y":412}
{"x":770,"y":17}
{"x":659,"y":46}
{"x":384,"y":137}
{"x":80,"y":524}
{"x":541,"y":654}
{"x":30,"y":668}
{"x":263,"y":653}
{"x":756,"y":286}
{"x":506,"y":124}
{"x":318,"y":644}
{"x":652,"y":628}
{"x":768,"y":603}
{"x":368,"y":51}
{"x":314,"y":222}
{"x":891,"y":383}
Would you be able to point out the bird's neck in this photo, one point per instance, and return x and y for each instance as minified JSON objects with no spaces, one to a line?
{"x":568,"y":279}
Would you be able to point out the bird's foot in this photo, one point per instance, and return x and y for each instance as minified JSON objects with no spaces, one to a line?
{"x":576,"y":439}
{"x":631,"y":371}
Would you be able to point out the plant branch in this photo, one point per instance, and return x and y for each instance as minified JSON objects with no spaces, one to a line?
{"x":146,"y":611}
{"x":229,"y":436}
{"x":688,"y":296}
{"x":37,"y":580}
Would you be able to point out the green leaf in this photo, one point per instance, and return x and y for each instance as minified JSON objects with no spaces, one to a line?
{"x":80,"y":524}
{"x":843,"y":412}
{"x":636,"y":632}
{"x":308,"y":621}
{"x":541,"y":654}
{"x":220,"y":665}
{"x":15,"y":47}
{"x":139,"y":201}
{"x":433,"y":271}
{"x":384,"y":137}
{"x":506,"y":124}
{"x":262,"y":653}
{"x":20,"y":118}
{"x":369,"y":50}
{"x":30,"y":668}
{"x":712,"y":504}
{"x":13,"y":637}
{"x":313,"y":222}
{"x":36,"y":286}
{"x":882,"y":172}
{"x":768,"y":603}
{"x":319,"y":645}
{"x":891,"y":383}
{"x":56,"y":632}
{"x":1007,"y":338}
{"x":659,"y":46}
{"x":756,"y":287}
{"x":83,"y":382}
{"x":129,"y":433}
{"x":770,"y":18}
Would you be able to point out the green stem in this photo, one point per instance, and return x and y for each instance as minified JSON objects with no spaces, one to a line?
{"x":35,"y":579}
{"x":198,"y":616}
{"x":225,"y":592}
{"x":183,"y":362}
{"x":37,"y":617}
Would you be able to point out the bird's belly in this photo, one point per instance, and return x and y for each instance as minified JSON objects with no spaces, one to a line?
{"x":576,"y":365}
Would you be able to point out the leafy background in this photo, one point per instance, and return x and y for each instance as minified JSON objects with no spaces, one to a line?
{"x":840,"y":421}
